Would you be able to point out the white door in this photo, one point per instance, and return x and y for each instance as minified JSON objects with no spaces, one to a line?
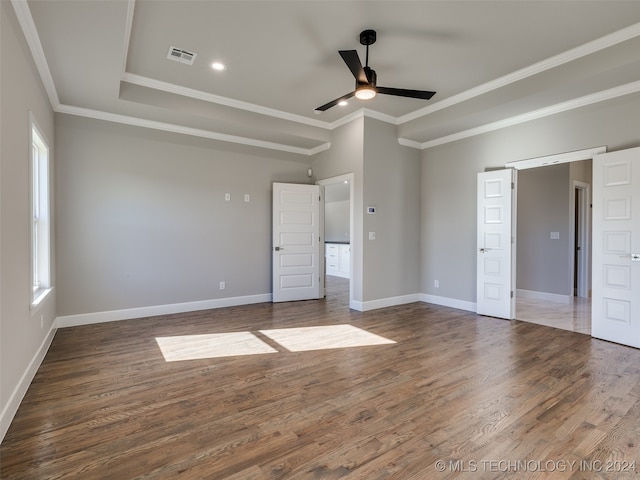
{"x":298,"y":259}
{"x":495,"y":242}
{"x":615,"y":312}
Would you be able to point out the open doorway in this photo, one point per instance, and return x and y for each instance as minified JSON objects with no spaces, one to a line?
{"x":553,"y":276}
{"x":338,"y":227}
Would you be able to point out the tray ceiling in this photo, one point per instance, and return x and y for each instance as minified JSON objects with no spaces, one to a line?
{"x":492,"y":63}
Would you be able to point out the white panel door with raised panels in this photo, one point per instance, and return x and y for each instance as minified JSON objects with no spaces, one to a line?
{"x":297,"y":242}
{"x":616,"y":247}
{"x":495,"y":246}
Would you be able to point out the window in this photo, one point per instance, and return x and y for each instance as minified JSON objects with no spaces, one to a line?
{"x":40,"y":214}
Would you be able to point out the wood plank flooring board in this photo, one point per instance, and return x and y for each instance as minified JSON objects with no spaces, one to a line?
{"x":455,"y":386}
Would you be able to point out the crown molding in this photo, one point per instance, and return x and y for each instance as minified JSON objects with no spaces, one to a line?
{"x":199,"y":94}
{"x":361,"y":113}
{"x":409,"y":143}
{"x":212,"y":98}
{"x":583,"y":101}
{"x":220,"y":100}
{"x":195,"y":132}
{"x":383,"y":117}
{"x":555,"y":61}
{"x":128,"y":27}
{"x":25,"y":19}
{"x":21,"y":7}
{"x":319,"y":148}
{"x":347,"y":118}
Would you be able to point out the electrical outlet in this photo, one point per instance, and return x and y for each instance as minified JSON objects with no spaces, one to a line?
{"x":222,"y":285}
{"x":247,"y":197}
{"x":436,"y":283}
{"x":227,"y":197}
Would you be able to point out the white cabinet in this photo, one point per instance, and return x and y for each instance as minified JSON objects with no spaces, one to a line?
{"x":332,"y":256}
{"x":338,"y":258}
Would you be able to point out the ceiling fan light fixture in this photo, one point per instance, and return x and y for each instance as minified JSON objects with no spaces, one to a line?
{"x":365,"y":92}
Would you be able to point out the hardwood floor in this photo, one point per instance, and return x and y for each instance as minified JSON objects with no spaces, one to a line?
{"x":457,"y":396}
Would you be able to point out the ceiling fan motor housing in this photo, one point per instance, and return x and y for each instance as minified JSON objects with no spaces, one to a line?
{"x":371,"y":77}
{"x":368,"y":37}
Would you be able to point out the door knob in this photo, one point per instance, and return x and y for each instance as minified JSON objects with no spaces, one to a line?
{"x":277,"y":249}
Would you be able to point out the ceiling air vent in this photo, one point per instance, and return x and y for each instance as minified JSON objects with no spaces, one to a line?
{"x":180,"y":55}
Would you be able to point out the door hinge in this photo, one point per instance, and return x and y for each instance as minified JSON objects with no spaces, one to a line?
{"x":511,"y":293}
{"x":513,"y":186}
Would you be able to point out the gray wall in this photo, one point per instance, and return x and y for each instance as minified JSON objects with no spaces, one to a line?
{"x":336,"y":221}
{"x":386,"y":175}
{"x":392,"y":184}
{"x":143,"y":221}
{"x":448,"y":218}
{"x":543,"y":207}
{"x":346,"y":156}
{"x":581,"y":171}
{"x":21,"y":333}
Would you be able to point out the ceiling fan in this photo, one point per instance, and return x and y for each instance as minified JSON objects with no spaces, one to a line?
{"x":366,"y":87}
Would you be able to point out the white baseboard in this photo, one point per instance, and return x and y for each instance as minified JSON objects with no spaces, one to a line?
{"x":141,"y":312}
{"x":386,"y":302}
{"x":416,"y":297}
{"x":355,"y":305}
{"x":10,"y":409}
{"x":339,"y":274}
{"x":546,"y":297}
{"x":448,"y":302}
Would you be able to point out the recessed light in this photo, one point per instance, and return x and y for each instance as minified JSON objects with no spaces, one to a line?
{"x":218,"y":66}
{"x":343,"y":103}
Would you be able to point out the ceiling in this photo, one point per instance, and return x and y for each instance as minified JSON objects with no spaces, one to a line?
{"x":492,"y":63}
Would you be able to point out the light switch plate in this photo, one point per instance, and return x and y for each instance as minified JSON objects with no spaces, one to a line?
{"x":554,"y":235}
{"x":372,"y":235}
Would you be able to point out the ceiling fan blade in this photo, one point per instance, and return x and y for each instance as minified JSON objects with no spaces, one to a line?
{"x":402,"y":92}
{"x":333,"y":103}
{"x":352,"y":60}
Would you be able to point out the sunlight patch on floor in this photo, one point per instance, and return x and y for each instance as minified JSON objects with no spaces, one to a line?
{"x":217,"y":345}
{"x":214,"y":345}
{"x":324,"y":337}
